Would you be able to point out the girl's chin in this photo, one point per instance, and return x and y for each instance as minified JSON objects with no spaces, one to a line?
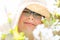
{"x":29,"y":28}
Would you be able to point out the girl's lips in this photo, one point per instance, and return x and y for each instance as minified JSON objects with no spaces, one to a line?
{"x":29,"y":23}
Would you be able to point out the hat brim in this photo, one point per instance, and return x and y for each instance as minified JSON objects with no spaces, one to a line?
{"x":39,"y":9}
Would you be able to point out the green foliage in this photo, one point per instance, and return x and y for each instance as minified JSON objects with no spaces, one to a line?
{"x":50,"y":22}
{"x":17,"y":35}
{"x":58,"y":3}
{"x":3,"y":36}
{"x":57,"y":16}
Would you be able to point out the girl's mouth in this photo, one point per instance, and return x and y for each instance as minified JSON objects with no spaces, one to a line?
{"x":29,"y":23}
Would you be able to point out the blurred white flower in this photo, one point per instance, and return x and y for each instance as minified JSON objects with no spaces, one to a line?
{"x":42,"y":33}
{"x":37,"y":30}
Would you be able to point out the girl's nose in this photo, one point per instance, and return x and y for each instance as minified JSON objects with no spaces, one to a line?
{"x":31,"y":17}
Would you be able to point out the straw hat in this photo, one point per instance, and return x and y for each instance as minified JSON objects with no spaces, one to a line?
{"x":39,"y":9}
